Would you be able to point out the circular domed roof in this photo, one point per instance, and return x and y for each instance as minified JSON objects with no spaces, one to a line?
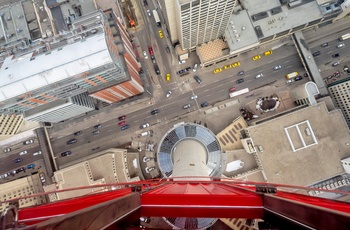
{"x":189,"y":138}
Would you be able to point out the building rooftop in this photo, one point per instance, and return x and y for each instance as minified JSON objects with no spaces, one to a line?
{"x":303,"y":146}
{"x":273,"y":18}
{"x":240,"y":33}
{"x":20,"y":75}
{"x":14,"y":25}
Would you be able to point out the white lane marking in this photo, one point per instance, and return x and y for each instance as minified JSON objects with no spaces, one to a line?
{"x":287,"y":61}
{"x":289,"y":66}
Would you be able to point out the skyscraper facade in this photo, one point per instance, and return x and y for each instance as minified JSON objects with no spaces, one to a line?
{"x":201,"y":21}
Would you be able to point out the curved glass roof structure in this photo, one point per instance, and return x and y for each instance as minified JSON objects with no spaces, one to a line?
{"x":189,"y":131}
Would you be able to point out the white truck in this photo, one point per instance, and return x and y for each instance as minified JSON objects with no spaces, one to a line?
{"x":156,"y":17}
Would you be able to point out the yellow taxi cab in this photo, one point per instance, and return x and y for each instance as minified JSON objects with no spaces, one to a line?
{"x":256,"y":57}
{"x":228,"y":66}
{"x":167,"y":77}
{"x":218,"y":70}
{"x":236,"y":64}
{"x":267,"y":53}
{"x":160,"y":33}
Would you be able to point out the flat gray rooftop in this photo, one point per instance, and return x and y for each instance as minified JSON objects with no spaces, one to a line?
{"x":318,"y":148}
{"x":273,"y":18}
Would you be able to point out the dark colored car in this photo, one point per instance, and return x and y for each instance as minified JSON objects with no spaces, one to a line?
{"x":122,"y":118}
{"x":31,"y":166}
{"x":298,"y":78}
{"x":22,"y":169}
{"x":240,"y":80}
{"x":316,"y":53}
{"x":95,"y":132}
{"x":156,"y":69}
{"x":154,"y":112}
{"x":77,"y":133}
{"x":180,"y":71}
{"x":153,"y":59}
{"x":335,"y":55}
{"x":125,"y":127}
{"x":66,"y":153}
{"x":204,"y":104}
{"x":150,"y":51}
{"x":17,"y":160}
{"x":198,"y":80}
{"x":97,"y":126}
{"x":324,"y":44}
{"x":72,"y":141}
{"x":240,"y":73}
{"x":167,"y":49}
{"x":188,"y":68}
{"x":145,"y":3}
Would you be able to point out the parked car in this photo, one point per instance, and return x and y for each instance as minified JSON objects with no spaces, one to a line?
{"x":267,"y":53}
{"x":149,"y":169}
{"x":256,"y":57}
{"x":72,"y":141}
{"x":17,"y":160}
{"x":195,"y":67}
{"x":6,"y":150}
{"x":340,"y":45}
{"x":122,"y":118}
{"x":120,"y":124}
{"x":345,"y":68}
{"x":97,"y":126}
{"x":77,"y":133}
{"x":315,"y":54}
{"x":187,"y":106}
{"x":156,"y":69}
{"x":23,"y":153}
{"x":21,"y":169}
{"x":150,"y":51}
{"x":145,"y":159}
{"x":31,"y":166}
{"x":153,"y":58}
{"x":198,"y":80}
{"x":145,"y":54}
{"x":335,"y":55}
{"x":324,"y":44}
{"x":204,"y":104}
{"x":125,"y":127}
{"x":42,"y":178}
{"x":145,"y":219}
{"x":144,"y":126}
{"x":168,"y":94}
{"x":277,"y":67}
{"x":167,"y":77}
{"x":37,"y":153}
{"x":154,"y":112}
{"x":218,"y":70}
{"x":240,"y":81}
{"x":240,"y":73}
{"x":298,"y":78}
{"x":194,"y":97}
{"x":290,"y":81}
{"x":95,"y":132}
{"x":66,"y":153}
{"x":149,"y":13}
{"x":27,"y":142}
